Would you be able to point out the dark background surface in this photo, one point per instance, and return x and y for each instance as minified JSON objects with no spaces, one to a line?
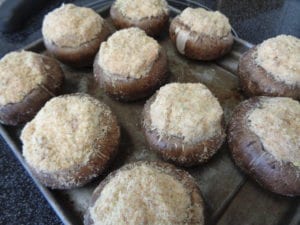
{"x":253,"y":20}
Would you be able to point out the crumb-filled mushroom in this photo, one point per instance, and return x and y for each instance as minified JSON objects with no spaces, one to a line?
{"x":27,"y":81}
{"x":152,"y":16}
{"x":264,"y":140}
{"x":71,"y":140}
{"x":201,"y":34}
{"x":272,"y":68}
{"x":130,"y":65}
{"x":73,"y":34}
{"x":183,"y":122}
{"x":146,"y":193}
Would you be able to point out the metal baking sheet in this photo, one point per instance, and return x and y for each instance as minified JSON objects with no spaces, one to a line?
{"x":229,"y":196}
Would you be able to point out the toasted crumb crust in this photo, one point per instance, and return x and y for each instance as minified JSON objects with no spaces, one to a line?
{"x":277,"y":123}
{"x":200,"y":20}
{"x":20,"y":73}
{"x":71,"y":25}
{"x":24,"y":110}
{"x":68,"y":171}
{"x":153,"y":26}
{"x":80,"y":56}
{"x":175,"y":149}
{"x":187,"y":110}
{"x":179,"y":175}
{"x":198,"y":46}
{"x":138,"y":9}
{"x":256,"y":81}
{"x":250,"y":155}
{"x":280,"y":56}
{"x":129,"y":53}
{"x":129,"y":89}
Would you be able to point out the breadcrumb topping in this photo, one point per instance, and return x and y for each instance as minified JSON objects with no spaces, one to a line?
{"x":210,"y":23}
{"x":128,"y":53}
{"x":65,"y":133}
{"x":139,"y":9}
{"x":280,"y":56}
{"x":20,"y":73}
{"x":72,"y":26}
{"x":189,"y":111}
{"x":143,"y":195}
{"x":277,"y":123}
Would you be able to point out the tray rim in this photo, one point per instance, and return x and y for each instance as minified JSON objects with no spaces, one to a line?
{"x":46,"y":192}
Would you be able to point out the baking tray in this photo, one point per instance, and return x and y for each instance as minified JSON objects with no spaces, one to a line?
{"x":230,"y":198}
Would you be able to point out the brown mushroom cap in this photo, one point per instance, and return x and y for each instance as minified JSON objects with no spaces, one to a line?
{"x":14,"y":113}
{"x":142,"y":65}
{"x":256,"y":81}
{"x":197,"y":206}
{"x":73,"y":34}
{"x":198,"y":44}
{"x":82,"y":55}
{"x":152,"y":25}
{"x":87,"y":141}
{"x":250,"y":155}
{"x":176,"y":149}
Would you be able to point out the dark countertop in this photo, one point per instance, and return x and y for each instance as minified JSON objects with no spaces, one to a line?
{"x":254,"y":21}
